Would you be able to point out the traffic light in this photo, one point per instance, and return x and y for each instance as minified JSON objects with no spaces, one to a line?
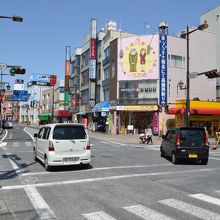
{"x":213,"y":74}
{"x":166,"y":108}
{"x":17,"y":70}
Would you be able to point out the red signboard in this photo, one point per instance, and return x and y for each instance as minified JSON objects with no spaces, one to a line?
{"x":73,"y":102}
{"x":53,"y":80}
{"x":1,"y":97}
{"x":93,"y":48}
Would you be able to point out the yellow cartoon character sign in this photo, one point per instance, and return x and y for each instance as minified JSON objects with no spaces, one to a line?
{"x":139,"y":60}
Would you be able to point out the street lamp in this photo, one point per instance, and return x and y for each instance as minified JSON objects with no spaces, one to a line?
{"x":14,"y":18}
{"x":188,"y":32}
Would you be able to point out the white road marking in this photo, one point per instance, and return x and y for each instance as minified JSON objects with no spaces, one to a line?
{"x":98,"y":216}
{"x":42,"y":208}
{"x":16,"y":144}
{"x":15,"y":166}
{"x":117,"y":143}
{"x":29,"y":134}
{"x":216,"y":152}
{"x":103,"y":142}
{"x":28,"y":144}
{"x":147,"y":213}
{"x":190,"y":209}
{"x":103,"y":168}
{"x":3,"y":144}
{"x":6,"y":133}
{"x":214,"y":158}
{"x":206,"y":198}
{"x":79,"y":181}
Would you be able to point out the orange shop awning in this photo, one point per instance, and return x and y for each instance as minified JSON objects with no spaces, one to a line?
{"x":62,"y":113}
{"x":195,"y":111}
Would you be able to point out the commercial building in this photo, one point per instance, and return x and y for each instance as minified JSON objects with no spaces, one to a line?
{"x":213,"y":19}
{"x":128,"y":79}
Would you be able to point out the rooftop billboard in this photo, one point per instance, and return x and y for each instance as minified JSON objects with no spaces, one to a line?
{"x":39,"y":79}
{"x":138,"y":58}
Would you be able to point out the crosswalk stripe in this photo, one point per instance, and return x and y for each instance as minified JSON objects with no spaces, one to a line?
{"x":190,"y":209}
{"x":206,"y":198}
{"x":98,"y":216}
{"x":43,"y":210}
{"x":15,"y":144}
{"x":147,"y":213}
{"x":28,"y":144}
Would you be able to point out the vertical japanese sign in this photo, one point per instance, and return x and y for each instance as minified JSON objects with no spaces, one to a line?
{"x":92,"y":67}
{"x":163,"y":69}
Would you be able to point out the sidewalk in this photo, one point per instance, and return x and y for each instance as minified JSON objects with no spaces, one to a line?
{"x":124,"y":139}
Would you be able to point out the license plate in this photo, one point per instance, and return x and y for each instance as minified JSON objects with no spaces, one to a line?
{"x":193,"y":156}
{"x":70,"y":159}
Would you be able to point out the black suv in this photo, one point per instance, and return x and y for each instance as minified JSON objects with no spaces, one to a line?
{"x":186,"y":143}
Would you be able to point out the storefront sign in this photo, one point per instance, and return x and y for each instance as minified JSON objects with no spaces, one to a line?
{"x":137,"y":108}
{"x":163,"y":70}
{"x":93,"y":49}
{"x":92,"y":69}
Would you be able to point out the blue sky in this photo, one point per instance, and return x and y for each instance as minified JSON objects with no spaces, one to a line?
{"x":38,"y":43}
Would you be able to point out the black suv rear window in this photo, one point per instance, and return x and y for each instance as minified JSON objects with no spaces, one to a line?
{"x":69,"y":132}
{"x":192,"y":137}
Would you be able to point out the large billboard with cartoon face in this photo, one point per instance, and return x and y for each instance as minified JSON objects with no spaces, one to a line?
{"x":138,"y":58}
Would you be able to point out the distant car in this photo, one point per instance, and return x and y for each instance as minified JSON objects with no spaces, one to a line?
{"x":7,"y":124}
{"x":185,"y":143}
{"x":62,"y":144}
{"x":101,"y":127}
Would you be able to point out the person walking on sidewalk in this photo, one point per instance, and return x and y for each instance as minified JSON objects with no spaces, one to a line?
{"x":149,"y":135}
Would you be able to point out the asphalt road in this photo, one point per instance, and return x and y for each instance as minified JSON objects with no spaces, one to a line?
{"x":124,"y":182}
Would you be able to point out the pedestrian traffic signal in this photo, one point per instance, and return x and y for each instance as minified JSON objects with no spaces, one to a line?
{"x":213,"y":74}
{"x":17,"y":70}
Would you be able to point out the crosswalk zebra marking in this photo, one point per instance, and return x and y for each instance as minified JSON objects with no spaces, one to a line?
{"x":19,"y":144}
{"x":190,"y":209}
{"x":98,"y":216}
{"x":206,"y":198}
{"x":146,"y":213}
{"x":43,"y":210}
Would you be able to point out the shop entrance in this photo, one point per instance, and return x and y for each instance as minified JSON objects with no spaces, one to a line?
{"x":139,"y":120}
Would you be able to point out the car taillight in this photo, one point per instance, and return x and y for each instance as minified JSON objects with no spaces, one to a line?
{"x":88,"y":147}
{"x":206,"y":138}
{"x":51,"y":147}
{"x":178,"y":140}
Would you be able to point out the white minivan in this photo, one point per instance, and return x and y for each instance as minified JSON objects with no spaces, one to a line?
{"x":62,"y":144}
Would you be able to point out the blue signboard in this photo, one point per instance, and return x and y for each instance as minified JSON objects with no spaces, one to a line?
{"x":163,"y":70}
{"x":39,"y":79}
{"x":20,"y":95}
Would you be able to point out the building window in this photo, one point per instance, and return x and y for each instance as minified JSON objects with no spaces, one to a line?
{"x":98,"y":71}
{"x":99,"y":49}
{"x":85,"y":58}
{"x":106,"y":73}
{"x":107,"y":52}
{"x":106,"y":94}
{"x":85,"y":78}
{"x":176,"y":61}
{"x":85,"y":97}
{"x":113,"y":68}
